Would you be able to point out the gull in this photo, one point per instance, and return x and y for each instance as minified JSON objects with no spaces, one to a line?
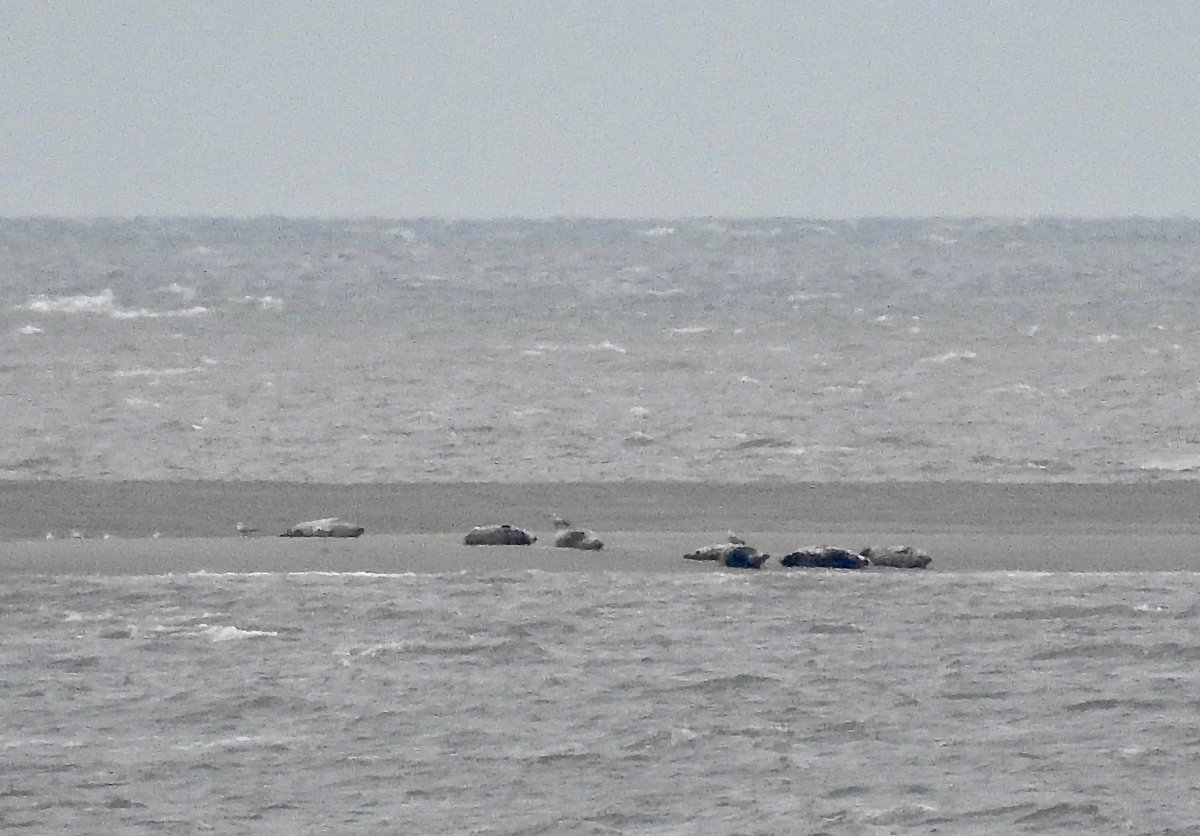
{"x":734,"y":538}
{"x":77,"y":534}
{"x":245,"y":530}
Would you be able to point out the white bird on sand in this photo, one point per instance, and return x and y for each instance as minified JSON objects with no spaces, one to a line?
{"x":77,"y":534}
{"x":245,"y":530}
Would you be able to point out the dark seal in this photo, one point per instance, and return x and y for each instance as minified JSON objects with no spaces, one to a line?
{"x":825,"y":557}
{"x":498,"y":535}
{"x":733,"y":555}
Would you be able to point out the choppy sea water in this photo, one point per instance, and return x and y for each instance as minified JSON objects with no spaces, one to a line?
{"x":1042,"y":350}
{"x":531,"y":702}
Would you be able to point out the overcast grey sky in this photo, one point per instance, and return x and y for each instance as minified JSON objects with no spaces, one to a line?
{"x":829,"y":108}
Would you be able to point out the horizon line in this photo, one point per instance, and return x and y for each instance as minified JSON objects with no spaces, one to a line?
{"x":569,"y":218}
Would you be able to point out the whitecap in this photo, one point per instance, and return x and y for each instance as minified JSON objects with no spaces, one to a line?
{"x":265,"y":303}
{"x":691,"y":329}
{"x":80,"y":303}
{"x":29,"y":330}
{"x":146,"y":313}
{"x":949,"y":356}
{"x":156,"y":373}
{"x":230,"y":633}
{"x":187,"y":294}
{"x":1179,"y":464}
{"x":608,"y":345}
{"x":101,"y":303}
{"x":656,"y":232}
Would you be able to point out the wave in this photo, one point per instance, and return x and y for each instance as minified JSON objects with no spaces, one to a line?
{"x":950,"y":356}
{"x":103,"y":303}
{"x":157,"y":373}
{"x":1180,"y":464}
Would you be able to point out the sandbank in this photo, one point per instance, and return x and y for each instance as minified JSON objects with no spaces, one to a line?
{"x":647,"y":526}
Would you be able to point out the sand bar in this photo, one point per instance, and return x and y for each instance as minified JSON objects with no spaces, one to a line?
{"x":647,"y":526}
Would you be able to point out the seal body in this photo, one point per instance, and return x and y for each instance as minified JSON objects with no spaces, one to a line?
{"x":825,"y":557}
{"x":498,"y":535}
{"x":899,"y":557}
{"x":326,"y":527}
{"x":733,"y":555}
{"x":577,"y":538}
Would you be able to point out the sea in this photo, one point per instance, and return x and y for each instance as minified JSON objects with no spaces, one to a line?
{"x":600,"y":350}
{"x":508,"y":701}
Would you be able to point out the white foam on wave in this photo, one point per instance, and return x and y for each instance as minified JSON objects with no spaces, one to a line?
{"x":81,"y":303}
{"x":157,"y":373}
{"x":103,"y":303}
{"x":264,"y":303}
{"x":691,"y":329}
{"x":29,"y":330}
{"x":1178,"y":464}
{"x":656,"y":232}
{"x":608,"y":345}
{"x":950,"y":356}
{"x":146,"y":313}
{"x":187,"y":294}
{"x":228,"y":633}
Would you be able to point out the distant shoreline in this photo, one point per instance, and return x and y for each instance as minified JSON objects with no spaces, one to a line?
{"x":648,"y":525}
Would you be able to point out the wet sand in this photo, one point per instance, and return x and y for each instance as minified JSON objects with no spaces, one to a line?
{"x":646,"y":526}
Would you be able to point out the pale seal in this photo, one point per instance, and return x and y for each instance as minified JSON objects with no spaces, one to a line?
{"x":899,"y":557}
{"x":326,"y":527}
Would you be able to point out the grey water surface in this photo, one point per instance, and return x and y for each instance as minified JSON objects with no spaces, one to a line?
{"x":408,"y":351}
{"x":530,"y":702}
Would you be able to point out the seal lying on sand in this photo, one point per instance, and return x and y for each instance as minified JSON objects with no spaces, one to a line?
{"x":825,"y":557}
{"x":327,"y":527}
{"x":733,"y":555}
{"x":567,"y":537}
{"x":498,"y":535}
{"x":900,"y":557}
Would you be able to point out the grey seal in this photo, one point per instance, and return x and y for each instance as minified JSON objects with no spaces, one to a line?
{"x":325,"y":527}
{"x":899,"y":557}
{"x":733,"y":555}
{"x":567,"y":536}
{"x":825,"y":557}
{"x":498,"y":535}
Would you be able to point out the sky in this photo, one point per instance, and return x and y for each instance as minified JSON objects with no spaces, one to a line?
{"x":557,"y":108}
